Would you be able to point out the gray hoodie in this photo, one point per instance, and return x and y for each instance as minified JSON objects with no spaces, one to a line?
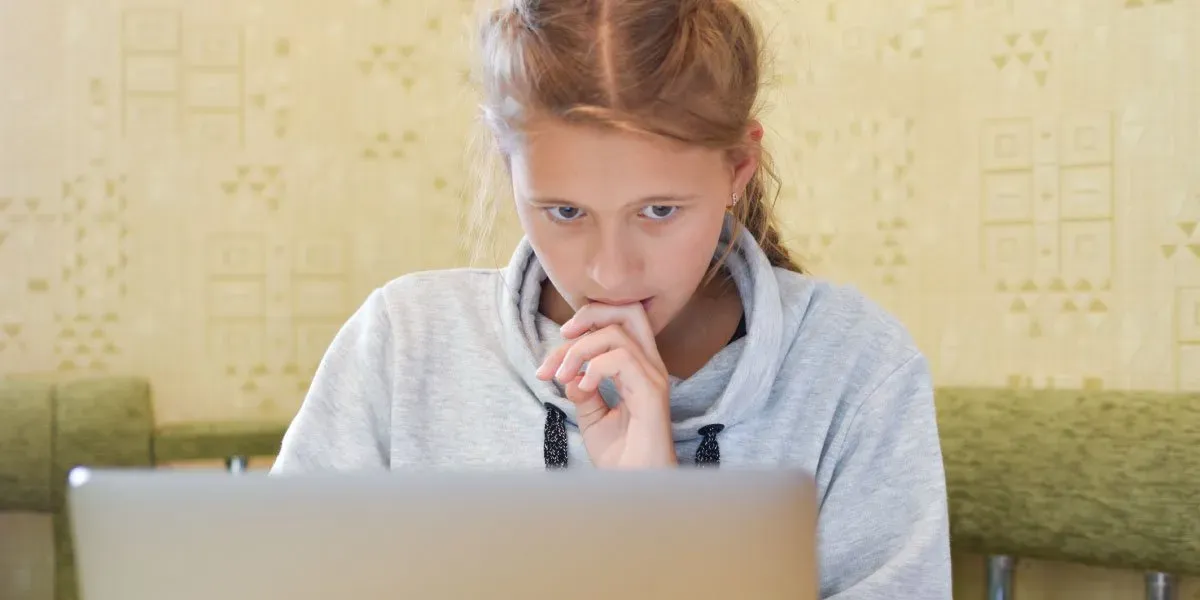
{"x":436,"y":369}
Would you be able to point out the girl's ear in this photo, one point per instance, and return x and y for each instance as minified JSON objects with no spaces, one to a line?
{"x":746,"y":158}
{"x":755,"y":132}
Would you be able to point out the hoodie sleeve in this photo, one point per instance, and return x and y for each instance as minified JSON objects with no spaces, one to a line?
{"x":344,"y":422}
{"x":884,"y":523}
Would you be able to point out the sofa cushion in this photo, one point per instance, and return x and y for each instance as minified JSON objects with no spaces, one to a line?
{"x":26,"y":447}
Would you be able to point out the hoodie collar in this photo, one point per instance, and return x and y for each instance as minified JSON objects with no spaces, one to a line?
{"x":750,"y":383}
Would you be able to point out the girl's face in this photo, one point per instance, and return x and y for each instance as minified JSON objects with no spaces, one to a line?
{"x":619,"y":218}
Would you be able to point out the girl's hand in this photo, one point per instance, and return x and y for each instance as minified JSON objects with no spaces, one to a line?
{"x":616,"y":342}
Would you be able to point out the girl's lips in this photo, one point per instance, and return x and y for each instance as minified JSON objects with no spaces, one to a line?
{"x":644,"y":302}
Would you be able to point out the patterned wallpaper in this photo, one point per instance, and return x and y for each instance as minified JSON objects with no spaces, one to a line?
{"x":202,"y":192}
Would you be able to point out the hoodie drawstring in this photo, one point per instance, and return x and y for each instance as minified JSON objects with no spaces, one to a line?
{"x":555,"y":444}
{"x":709,"y":452}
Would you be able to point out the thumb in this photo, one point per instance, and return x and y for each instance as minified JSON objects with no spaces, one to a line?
{"x":590,"y":407}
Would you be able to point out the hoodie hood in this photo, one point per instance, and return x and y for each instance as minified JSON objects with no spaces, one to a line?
{"x":742,"y":388}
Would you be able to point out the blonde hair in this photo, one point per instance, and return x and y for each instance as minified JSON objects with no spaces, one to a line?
{"x":685,"y":70}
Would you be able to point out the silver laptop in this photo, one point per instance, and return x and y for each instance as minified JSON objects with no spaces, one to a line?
{"x":587,"y":534}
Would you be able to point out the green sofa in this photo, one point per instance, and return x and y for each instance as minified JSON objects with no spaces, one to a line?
{"x":1101,"y":478}
{"x":47,"y":428}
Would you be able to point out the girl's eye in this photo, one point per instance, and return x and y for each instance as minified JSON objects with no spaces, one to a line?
{"x":564,"y":213}
{"x":659,"y":212}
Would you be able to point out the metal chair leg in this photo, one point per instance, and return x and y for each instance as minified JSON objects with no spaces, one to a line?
{"x":1160,"y":586}
{"x":236,"y":464}
{"x":1000,"y":577}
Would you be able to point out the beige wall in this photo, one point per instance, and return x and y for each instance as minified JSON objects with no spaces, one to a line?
{"x":201,"y":192}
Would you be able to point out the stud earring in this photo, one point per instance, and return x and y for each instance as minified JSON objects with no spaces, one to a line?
{"x":734,"y":199}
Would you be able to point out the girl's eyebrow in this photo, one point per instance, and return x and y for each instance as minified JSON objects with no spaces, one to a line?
{"x":655,"y":199}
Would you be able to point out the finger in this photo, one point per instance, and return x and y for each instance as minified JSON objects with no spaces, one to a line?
{"x":597,"y":316}
{"x":552,"y":361}
{"x":590,"y":407}
{"x":594,"y":344}
{"x":634,"y":381}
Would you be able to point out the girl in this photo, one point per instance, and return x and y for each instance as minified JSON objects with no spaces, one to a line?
{"x":650,"y":317}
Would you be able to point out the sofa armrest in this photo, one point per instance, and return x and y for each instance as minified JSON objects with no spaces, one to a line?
{"x":1109,"y":479}
{"x":216,"y":440}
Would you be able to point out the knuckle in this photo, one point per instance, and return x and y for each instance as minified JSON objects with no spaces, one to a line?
{"x":601,"y":338}
{"x":616,"y":333}
{"x":577,"y":352}
{"x":597,"y":338}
